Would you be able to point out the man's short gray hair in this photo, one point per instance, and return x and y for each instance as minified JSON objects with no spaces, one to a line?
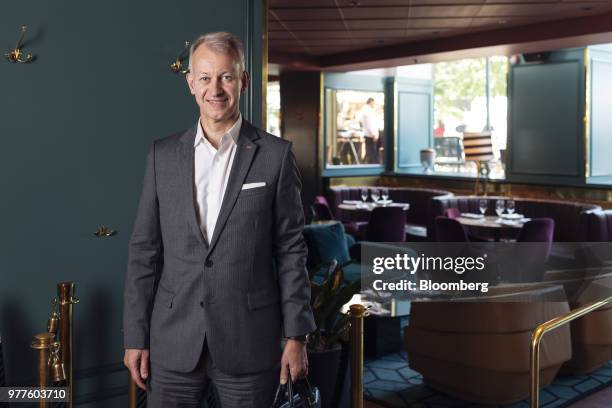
{"x":220,"y":41}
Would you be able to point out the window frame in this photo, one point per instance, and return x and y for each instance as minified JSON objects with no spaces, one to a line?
{"x":357,"y":83}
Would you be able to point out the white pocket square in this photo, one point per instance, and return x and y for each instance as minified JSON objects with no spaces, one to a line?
{"x":248,"y":186}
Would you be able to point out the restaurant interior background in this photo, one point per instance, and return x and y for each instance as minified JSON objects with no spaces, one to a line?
{"x":529,"y":80}
{"x":533,"y":77}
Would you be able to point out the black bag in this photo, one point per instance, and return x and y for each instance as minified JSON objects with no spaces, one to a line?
{"x":306,"y":396}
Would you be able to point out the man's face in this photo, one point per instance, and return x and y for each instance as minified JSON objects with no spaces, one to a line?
{"x":216,"y":82}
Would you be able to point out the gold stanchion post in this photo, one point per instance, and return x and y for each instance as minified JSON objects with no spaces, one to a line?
{"x":43,"y":343}
{"x":357,"y":313}
{"x":66,"y":298}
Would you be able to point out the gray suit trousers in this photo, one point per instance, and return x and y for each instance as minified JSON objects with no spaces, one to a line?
{"x":173,"y":389}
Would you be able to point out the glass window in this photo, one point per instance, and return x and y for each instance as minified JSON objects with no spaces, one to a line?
{"x":470,"y":105}
{"x":273,"y":118}
{"x":498,"y":106}
{"x":460,"y":97}
{"x":354,"y":124}
{"x":598,"y":109}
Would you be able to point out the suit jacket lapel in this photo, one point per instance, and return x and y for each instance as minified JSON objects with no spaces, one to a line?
{"x":185,"y":163}
{"x":245,"y":152}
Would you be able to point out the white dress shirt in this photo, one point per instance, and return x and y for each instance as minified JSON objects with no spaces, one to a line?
{"x":211,"y":171}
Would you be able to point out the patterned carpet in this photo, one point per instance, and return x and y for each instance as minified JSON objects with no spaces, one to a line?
{"x":389,"y":381}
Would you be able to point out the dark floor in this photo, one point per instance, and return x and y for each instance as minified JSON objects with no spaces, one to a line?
{"x":601,"y":399}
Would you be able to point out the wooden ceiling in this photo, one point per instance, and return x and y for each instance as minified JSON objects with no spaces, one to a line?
{"x":325,"y":28}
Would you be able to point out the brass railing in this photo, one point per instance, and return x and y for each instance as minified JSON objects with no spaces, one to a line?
{"x":544,"y":328}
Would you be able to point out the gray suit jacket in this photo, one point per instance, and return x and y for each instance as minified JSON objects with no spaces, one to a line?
{"x":242,"y":292}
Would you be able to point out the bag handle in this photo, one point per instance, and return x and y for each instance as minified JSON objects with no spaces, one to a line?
{"x":290,"y":391}
{"x":279,"y":397}
{"x":305,"y":391}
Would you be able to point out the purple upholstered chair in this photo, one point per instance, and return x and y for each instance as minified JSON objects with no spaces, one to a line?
{"x":452,"y":213}
{"x":321,"y":200}
{"x":322,"y":212}
{"x":537,"y":230}
{"x":529,"y":264}
{"x":387,"y":224}
{"x":597,"y":225}
{"x":450,"y":230}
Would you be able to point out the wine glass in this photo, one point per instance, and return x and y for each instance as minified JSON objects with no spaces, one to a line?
{"x":482,"y":205}
{"x":500,"y":207}
{"x":510,"y":206}
{"x":385,"y":194}
{"x":375,"y":195}
{"x":364,"y":195}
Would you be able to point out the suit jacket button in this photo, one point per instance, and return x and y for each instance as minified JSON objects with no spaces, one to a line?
{"x":201,"y":304}
{"x":208,"y":263}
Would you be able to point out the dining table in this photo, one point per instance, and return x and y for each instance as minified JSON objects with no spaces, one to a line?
{"x":356,"y":205}
{"x":493,"y":225}
{"x":369,"y":206}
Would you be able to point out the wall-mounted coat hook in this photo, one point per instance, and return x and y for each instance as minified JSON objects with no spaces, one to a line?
{"x":177,"y":65}
{"x":104,"y":231}
{"x":16,"y":55}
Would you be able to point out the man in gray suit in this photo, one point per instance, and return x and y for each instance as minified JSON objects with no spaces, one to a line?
{"x":216,"y":273}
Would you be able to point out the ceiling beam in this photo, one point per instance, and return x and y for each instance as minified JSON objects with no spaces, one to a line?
{"x":294,"y":62}
{"x":530,"y":38}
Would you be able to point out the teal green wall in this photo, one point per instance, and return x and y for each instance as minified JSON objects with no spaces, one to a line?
{"x":545,"y":120}
{"x":76,"y":125}
{"x":414,"y":121}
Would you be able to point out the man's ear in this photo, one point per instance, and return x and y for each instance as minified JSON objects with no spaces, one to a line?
{"x":190,"y":82}
{"x":246,"y":78}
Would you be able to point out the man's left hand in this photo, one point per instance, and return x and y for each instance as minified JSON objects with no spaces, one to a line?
{"x":294,"y":361}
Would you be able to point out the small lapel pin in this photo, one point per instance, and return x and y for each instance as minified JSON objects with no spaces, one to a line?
{"x":249,"y":146}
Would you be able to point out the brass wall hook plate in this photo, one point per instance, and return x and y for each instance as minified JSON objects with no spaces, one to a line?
{"x":104,"y":231}
{"x":177,"y":65}
{"x":16,"y":55}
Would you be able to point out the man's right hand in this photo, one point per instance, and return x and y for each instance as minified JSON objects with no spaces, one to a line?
{"x":137,"y":361}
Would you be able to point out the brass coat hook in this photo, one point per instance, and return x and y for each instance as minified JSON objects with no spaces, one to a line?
{"x":177,"y":65}
{"x":104,"y":231}
{"x":15,"y":55}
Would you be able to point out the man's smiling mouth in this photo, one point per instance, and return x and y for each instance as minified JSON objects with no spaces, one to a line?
{"x":217,"y":101}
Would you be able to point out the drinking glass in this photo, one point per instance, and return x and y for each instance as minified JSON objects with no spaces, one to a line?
{"x":482,"y":205}
{"x":375,"y":195}
{"x":500,"y":207}
{"x":510,"y":206}
{"x":364,"y":194}
{"x":385,"y":194}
